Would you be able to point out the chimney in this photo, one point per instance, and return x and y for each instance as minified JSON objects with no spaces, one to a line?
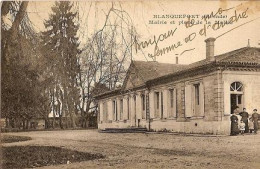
{"x":177,"y":59}
{"x":210,"y":49}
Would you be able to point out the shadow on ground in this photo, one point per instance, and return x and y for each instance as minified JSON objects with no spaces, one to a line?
{"x":37,"y":156}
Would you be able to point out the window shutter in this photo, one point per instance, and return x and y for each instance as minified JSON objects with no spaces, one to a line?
{"x":138,"y":106}
{"x":165,"y":103}
{"x":202,"y":104}
{"x":118,"y":115}
{"x":151,"y":104}
{"x":125,"y":108}
{"x":101,"y":114}
{"x":175,"y":102}
{"x":106,"y":111}
{"x":109,"y":110}
{"x":188,"y":101}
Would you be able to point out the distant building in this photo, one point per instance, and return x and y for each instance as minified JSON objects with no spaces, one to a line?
{"x":194,"y":98}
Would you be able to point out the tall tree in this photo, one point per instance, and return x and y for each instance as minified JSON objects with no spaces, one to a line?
{"x":60,"y":43}
{"x":22,"y":97}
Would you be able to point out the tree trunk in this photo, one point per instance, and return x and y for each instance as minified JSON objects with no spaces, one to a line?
{"x":53,"y":108}
{"x":27,"y":124}
{"x":23,"y":124}
{"x":18,"y":19}
{"x":47,"y":122}
{"x":60,"y":122}
{"x":6,"y":122}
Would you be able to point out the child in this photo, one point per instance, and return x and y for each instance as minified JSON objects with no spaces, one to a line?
{"x":242,"y":127}
{"x":251,"y":125}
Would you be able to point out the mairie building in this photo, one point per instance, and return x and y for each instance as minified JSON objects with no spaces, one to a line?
{"x":194,"y":98}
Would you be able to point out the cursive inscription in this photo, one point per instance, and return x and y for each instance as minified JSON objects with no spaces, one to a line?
{"x":206,"y":26}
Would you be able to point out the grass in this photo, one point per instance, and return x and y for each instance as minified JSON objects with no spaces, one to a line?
{"x":11,"y":139}
{"x":38,"y":156}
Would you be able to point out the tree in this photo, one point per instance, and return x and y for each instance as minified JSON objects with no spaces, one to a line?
{"x":22,"y":98}
{"x":105,"y":58}
{"x":60,"y":44}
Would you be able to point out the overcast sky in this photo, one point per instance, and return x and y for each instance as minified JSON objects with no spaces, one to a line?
{"x":235,"y":36}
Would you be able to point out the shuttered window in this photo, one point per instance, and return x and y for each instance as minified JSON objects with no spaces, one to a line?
{"x":188,"y":101}
{"x":194,"y":100}
{"x":115,"y":110}
{"x":172,"y":103}
{"x":121,"y":109}
{"x":157,"y":104}
{"x":128,"y":108}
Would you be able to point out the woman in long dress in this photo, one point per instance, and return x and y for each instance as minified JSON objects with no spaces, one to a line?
{"x":234,"y":122}
{"x":234,"y":125}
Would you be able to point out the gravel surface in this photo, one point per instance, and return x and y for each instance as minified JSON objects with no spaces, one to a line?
{"x":138,"y":150}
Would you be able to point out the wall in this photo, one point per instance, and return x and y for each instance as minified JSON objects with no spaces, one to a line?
{"x":251,"y":91}
{"x":216,"y":116}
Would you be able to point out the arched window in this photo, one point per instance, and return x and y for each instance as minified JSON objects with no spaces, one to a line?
{"x":236,"y":87}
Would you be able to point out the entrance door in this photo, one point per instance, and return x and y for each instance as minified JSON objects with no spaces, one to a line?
{"x":236,"y":100}
{"x":236,"y":96}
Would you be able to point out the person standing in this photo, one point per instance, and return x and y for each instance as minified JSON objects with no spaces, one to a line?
{"x":236,"y":113}
{"x":244,"y":117}
{"x":234,"y":124}
{"x":250,"y":125}
{"x":255,"y":117}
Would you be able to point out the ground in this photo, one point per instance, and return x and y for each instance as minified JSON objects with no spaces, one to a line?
{"x":138,"y":150}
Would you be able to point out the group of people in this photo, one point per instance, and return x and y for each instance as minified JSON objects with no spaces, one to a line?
{"x":242,"y":123}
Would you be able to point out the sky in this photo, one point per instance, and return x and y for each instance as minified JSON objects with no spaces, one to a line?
{"x":244,"y":14}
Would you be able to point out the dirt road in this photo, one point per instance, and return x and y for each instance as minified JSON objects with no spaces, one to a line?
{"x":152,"y":150}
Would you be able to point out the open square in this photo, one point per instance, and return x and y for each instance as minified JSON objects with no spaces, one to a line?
{"x":153,"y":150}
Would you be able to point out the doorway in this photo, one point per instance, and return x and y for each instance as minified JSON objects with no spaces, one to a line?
{"x":236,"y":96}
{"x":236,"y":100}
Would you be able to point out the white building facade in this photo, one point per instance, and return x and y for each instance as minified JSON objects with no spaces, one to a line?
{"x":195,"y":98}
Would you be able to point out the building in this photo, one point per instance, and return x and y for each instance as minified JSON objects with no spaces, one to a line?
{"x":194,"y":98}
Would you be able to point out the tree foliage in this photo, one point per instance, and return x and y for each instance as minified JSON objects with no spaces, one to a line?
{"x":22,"y":93}
{"x":105,"y":57}
{"x":60,"y":46}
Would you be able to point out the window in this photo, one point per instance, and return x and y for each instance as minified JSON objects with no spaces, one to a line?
{"x":171,"y":103}
{"x":161,"y":104}
{"x":99,"y":119}
{"x":156,"y":104}
{"x":194,"y":100}
{"x":147,"y":113}
{"x":143,"y":102}
{"x":128,"y":108}
{"x":171,"y":97}
{"x":197,"y":94}
{"x":239,"y":99}
{"x":236,"y":86}
{"x":157,"y":99}
{"x":105,"y":111}
{"x":115,"y":110}
{"x":121,"y":109}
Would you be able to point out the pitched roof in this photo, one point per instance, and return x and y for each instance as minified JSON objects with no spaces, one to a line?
{"x":246,"y":55}
{"x":152,"y":69}
{"x":243,"y":56}
{"x":240,"y":55}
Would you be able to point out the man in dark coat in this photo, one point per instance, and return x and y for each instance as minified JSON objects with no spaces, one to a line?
{"x":244,"y":118}
{"x":234,"y":125}
{"x":255,"y":117}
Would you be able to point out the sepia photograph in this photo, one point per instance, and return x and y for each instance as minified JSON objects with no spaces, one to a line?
{"x":139,"y":84}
